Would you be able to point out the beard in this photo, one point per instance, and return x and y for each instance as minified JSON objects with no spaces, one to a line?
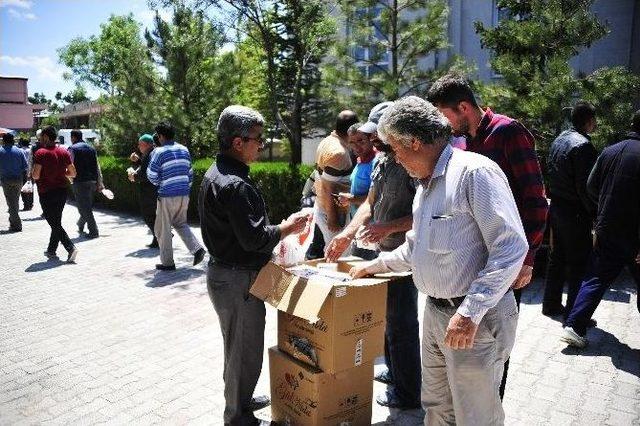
{"x":462,"y":128}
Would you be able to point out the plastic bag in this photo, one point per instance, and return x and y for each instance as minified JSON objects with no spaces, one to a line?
{"x":27,"y":187}
{"x":292,"y":249}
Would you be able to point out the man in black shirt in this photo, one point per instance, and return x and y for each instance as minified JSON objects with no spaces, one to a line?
{"x":148,"y":191}
{"x":87,"y":181}
{"x":571,"y":158}
{"x":237,"y":233}
{"x":614,"y":183}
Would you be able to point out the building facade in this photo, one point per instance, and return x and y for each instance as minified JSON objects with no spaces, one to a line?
{"x":15,"y":111}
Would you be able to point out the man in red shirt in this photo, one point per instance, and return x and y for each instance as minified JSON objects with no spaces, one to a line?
{"x":51,"y":170}
{"x":511,"y":145}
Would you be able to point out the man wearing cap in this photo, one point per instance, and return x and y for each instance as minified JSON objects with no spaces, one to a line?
{"x":386,"y":216}
{"x":87,"y":181}
{"x":148,"y":191}
{"x":12,"y":167}
{"x":334,"y":163}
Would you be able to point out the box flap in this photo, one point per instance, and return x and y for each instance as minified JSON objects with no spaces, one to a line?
{"x":295,"y":295}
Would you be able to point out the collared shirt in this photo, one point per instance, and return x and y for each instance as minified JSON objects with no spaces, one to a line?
{"x":615,"y":184}
{"x":233,"y":216}
{"x":467,"y":238}
{"x":511,"y":145}
{"x":170,"y":170}
{"x":12,"y":162}
{"x":393,"y":192}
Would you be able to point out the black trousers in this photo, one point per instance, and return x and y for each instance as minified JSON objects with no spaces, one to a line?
{"x":52,"y":203}
{"x":503,"y":384}
{"x":571,"y":243}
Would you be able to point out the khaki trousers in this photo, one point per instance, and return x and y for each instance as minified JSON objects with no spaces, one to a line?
{"x":171,"y":212}
{"x":460,"y":387}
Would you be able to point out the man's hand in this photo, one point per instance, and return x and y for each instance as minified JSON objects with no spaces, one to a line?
{"x":460,"y":333}
{"x":134,"y":157}
{"x":524,"y":277}
{"x":337,"y":246}
{"x":344,"y":199}
{"x":294,"y":224}
{"x":375,"y":232}
{"x":100,"y":187}
{"x":359,"y":272}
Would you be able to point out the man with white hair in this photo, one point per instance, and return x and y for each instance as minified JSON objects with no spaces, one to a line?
{"x":237,"y":233}
{"x":465,"y":248}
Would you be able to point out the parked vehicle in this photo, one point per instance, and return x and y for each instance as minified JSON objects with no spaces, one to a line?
{"x":89,"y":135}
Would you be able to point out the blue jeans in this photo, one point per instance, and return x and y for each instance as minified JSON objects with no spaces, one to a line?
{"x":603,"y":269}
{"x":402,"y":341}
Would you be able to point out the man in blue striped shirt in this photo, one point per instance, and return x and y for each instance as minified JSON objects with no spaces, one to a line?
{"x":170,"y":170}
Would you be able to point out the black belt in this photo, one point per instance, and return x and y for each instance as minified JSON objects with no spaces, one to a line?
{"x":447,"y":303}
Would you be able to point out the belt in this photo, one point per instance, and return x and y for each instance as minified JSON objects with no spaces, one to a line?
{"x":447,"y":303}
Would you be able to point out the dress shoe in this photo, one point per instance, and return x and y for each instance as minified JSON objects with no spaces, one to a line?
{"x":384,"y":377}
{"x":198,"y":256}
{"x":50,"y":254}
{"x":259,"y":402}
{"x":161,"y":267}
{"x":553,"y":310}
{"x":92,"y":236}
{"x":153,"y":244}
{"x":390,"y":399}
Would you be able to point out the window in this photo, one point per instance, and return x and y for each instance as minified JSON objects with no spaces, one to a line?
{"x":371,"y":60}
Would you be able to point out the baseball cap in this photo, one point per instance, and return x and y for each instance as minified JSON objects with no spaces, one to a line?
{"x":146,"y":138}
{"x":371,"y":125}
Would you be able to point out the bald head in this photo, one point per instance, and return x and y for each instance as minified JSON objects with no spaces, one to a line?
{"x":345,"y":120}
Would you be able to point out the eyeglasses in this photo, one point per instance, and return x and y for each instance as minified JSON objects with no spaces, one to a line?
{"x":258,"y":139}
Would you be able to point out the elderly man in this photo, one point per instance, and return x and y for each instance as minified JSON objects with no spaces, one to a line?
{"x":237,"y":233}
{"x":386,"y":216}
{"x":465,"y":248}
{"x":147,"y":191}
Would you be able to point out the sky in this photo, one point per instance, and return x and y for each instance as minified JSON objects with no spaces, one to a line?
{"x":31,"y":32}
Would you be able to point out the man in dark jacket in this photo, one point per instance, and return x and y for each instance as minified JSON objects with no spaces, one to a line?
{"x":148,"y":191}
{"x":570,"y":161}
{"x":87,"y":181}
{"x":237,"y":233}
{"x":614,"y":182}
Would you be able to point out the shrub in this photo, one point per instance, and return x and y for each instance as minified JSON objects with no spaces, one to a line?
{"x":280,"y":184}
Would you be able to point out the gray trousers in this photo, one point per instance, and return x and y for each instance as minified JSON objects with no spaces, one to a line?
{"x":242,"y":321}
{"x":11,"y":189}
{"x":85,"y":193}
{"x":460,"y":387}
{"x":171,"y":212}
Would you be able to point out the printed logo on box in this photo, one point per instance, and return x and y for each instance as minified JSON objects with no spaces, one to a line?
{"x":358,"y":354}
{"x":363,"y":318}
{"x":349,"y":401}
{"x":341,"y":291}
{"x":284,"y":392}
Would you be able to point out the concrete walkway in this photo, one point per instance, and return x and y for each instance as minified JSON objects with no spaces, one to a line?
{"x":109,"y":339}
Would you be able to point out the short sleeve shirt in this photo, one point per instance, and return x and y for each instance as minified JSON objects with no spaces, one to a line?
{"x":54,"y":161}
{"x":332,"y":157}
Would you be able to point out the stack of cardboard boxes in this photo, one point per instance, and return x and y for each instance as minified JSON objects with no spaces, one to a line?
{"x":330,"y":330}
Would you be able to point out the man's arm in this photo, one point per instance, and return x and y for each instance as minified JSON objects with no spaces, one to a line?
{"x":594,"y":181}
{"x":340,"y":242}
{"x":100,"y":182}
{"x":35,"y":174}
{"x":528,"y":186}
{"x":70,"y":172}
{"x":329,"y":185}
{"x":153,"y":171}
{"x":398,"y":260}
{"x":584,"y":158}
{"x":495,"y":212}
{"x":376,"y":232}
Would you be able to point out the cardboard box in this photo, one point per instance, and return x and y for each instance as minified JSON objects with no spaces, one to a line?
{"x":303,"y":395}
{"x":328,"y":323}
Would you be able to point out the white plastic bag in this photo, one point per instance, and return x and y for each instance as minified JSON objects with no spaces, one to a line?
{"x":27,"y":187}
{"x":292,"y":249}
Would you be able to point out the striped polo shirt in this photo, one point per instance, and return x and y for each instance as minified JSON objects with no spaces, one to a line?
{"x":170,"y":170}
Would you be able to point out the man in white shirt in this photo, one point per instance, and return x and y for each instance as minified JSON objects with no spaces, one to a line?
{"x":465,"y":248}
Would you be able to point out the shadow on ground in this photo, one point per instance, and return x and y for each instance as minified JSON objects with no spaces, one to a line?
{"x":166,"y":278}
{"x":43,"y":266}
{"x":143,"y":253}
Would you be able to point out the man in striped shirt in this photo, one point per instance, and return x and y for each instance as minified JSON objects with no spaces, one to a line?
{"x":170,"y":170}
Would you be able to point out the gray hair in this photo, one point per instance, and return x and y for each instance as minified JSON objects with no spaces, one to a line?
{"x":354,"y":128}
{"x":236,"y":121}
{"x":412,"y":117}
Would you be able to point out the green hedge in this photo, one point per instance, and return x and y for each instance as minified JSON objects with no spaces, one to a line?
{"x":280,"y":183}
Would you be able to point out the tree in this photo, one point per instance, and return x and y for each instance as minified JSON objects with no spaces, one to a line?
{"x":385,"y":40}
{"x":532,"y":50}
{"x":187,"y":47}
{"x":39,"y":98}
{"x":117,"y":62}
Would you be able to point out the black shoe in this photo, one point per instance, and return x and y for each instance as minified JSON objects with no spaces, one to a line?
{"x":92,"y":236}
{"x":259,"y":402}
{"x":15,"y":229}
{"x":161,"y":267}
{"x":154,"y":244}
{"x":198,"y":256}
{"x":384,"y":377}
{"x":51,"y":254}
{"x":592,"y":323}
{"x":553,"y":311}
{"x":390,"y":399}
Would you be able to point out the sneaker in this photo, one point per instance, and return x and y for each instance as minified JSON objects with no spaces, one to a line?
{"x":570,"y":337}
{"x":390,"y":399}
{"x":72,"y":255}
{"x":198,"y":256}
{"x":161,"y":267}
{"x":384,"y":377}
{"x":259,"y":402}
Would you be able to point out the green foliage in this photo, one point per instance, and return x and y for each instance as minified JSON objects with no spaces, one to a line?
{"x":532,"y":52}
{"x":52,"y":120}
{"x":395,"y":35}
{"x":78,"y":94}
{"x":280,"y":184}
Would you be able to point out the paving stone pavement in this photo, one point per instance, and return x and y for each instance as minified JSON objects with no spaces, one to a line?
{"x":109,"y":339}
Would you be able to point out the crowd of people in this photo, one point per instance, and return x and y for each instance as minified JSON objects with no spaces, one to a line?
{"x":398,"y":191}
